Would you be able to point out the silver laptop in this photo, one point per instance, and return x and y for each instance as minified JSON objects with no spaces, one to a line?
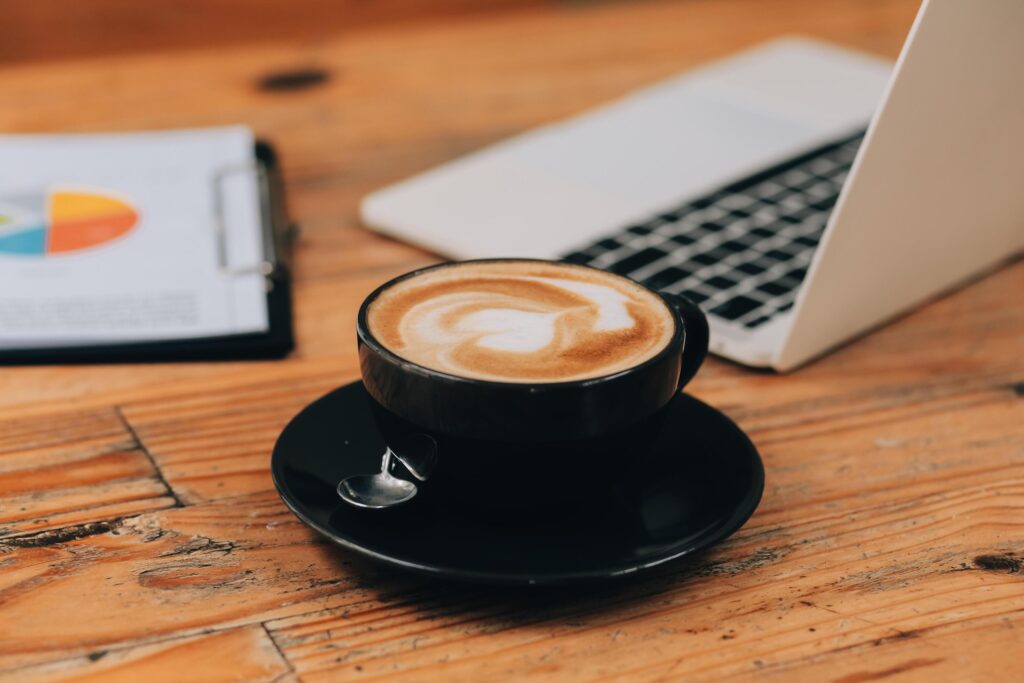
{"x":800,"y":193}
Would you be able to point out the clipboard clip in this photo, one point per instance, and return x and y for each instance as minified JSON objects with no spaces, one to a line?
{"x":275,"y":234}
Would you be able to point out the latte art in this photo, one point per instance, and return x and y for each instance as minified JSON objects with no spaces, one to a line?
{"x":521,"y":321}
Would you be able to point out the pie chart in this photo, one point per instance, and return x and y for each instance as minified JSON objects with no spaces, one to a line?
{"x":62,"y":221}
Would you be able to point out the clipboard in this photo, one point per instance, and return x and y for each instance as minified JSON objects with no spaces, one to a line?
{"x":276,"y":342}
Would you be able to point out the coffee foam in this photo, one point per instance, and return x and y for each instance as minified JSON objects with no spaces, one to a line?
{"x":521,"y":321}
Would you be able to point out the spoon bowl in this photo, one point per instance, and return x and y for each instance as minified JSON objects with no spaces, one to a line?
{"x":377,"y":491}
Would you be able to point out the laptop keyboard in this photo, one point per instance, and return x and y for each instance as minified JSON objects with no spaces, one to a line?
{"x":741,"y":252}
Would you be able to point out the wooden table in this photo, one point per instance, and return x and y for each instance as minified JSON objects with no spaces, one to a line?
{"x":140,"y":536}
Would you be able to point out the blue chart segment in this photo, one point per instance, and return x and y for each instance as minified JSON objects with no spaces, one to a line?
{"x":27,"y":241}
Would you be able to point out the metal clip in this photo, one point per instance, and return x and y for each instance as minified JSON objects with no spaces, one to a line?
{"x":268,"y":264}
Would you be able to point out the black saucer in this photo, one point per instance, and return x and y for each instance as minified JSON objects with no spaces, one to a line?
{"x":703,"y":483}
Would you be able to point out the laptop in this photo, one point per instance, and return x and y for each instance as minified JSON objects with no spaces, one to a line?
{"x":800,"y":193}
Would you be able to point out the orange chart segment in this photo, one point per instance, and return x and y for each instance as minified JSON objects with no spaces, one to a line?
{"x":79,"y":220}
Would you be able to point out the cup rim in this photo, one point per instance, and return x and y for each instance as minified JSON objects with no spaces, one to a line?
{"x":367,"y":337}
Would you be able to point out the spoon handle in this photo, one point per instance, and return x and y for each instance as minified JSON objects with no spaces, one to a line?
{"x":385,"y":463}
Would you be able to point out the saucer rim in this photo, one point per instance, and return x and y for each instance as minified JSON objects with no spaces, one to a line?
{"x":739,"y":516}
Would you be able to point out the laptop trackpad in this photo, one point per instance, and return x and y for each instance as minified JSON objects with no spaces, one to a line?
{"x":543,"y":193}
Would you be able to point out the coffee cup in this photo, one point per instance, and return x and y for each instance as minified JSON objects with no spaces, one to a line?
{"x":523,"y":383}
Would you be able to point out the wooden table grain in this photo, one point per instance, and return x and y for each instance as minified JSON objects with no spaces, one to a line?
{"x":141,"y":538}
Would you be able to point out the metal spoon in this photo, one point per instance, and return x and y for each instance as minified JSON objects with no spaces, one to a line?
{"x":376,"y":491}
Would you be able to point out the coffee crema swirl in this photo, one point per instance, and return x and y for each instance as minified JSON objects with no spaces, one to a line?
{"x":521,"y":321}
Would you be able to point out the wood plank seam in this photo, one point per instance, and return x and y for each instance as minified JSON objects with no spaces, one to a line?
{"x":280,"y":652}
{"x":15,"y":672}
{"x":145,"y":451}
{"x":48,"y":537}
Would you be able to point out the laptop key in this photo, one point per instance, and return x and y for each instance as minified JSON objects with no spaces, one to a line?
{"x":704,"y":259}
{"x":825,"y":204}
{"x":719,"y":282}
{"x":797,"y":274}
{"x":637,"y":260}
{"x":639,"y":230}
{"x":750,"y":268}
{"x":736,"y":307}
{"x":683,"y":238}
{"x":734,"y":246}
{"x":775,"y":287}
{"x":695,"y":296}
{"x":779,"y":255}
{"x":761,"y":320}
{"x":578,"y":257}
{"x":666,"y":277}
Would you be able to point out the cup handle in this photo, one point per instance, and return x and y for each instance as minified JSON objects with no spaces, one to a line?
{"x":695,"y":329}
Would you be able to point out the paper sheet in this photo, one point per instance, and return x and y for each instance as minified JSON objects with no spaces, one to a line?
{"x":113,"y":238}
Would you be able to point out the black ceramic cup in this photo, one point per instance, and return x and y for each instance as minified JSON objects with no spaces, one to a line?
{"x":515,"y":445}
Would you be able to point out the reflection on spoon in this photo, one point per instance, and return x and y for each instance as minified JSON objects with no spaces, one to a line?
{"x":417,"y":452}
{"x":376,"y":491}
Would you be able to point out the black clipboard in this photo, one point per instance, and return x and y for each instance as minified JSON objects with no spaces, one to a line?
{"x":279,"y":339}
